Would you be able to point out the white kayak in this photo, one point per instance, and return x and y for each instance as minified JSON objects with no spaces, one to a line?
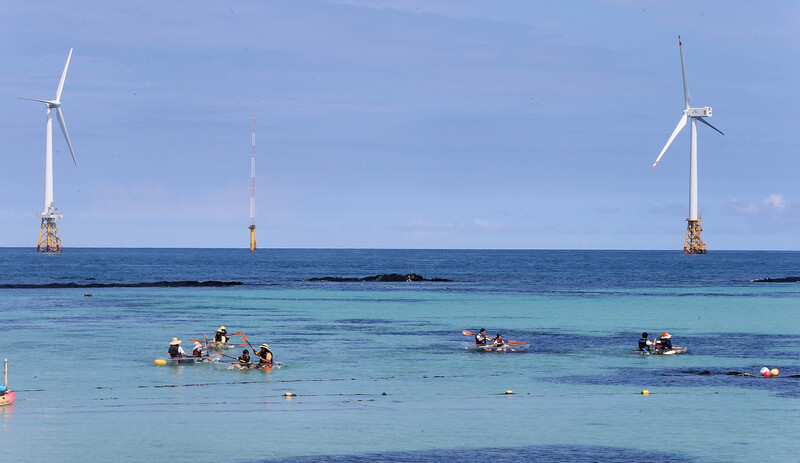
{"x":516,"y":347}
{"x":675,"y":350}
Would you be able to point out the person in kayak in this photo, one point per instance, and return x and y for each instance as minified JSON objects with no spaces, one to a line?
{"x":244,"y":358}
{"x":663,"y":342}
{"x":265,"y":355}
{"x":175,"y":349}
{"x":498,"y":340}
{"x":198,"y":350}
{"x":481,"y":339}
{"x":644,"y":343}
{"x":221,"y":335}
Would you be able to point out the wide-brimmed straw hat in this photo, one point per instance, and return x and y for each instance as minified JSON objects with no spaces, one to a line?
{"x":197,"y":345}
{"x":175,"y":342}
{"x":221,"y":328}
{"x":666,"y":335}
{"x":264,"y":346}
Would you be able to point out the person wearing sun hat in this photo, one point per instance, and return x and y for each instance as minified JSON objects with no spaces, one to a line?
{"x":175,"y":349}
{"x":198,"y":349}
{"x":663,"y":342}
{"x":221,"y":335}
{"x":265,"y":355}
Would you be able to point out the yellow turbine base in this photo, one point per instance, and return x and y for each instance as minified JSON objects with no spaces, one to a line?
{"x":48,"y":236}
{"x":693,"y":244}
{"x":252,"y":238}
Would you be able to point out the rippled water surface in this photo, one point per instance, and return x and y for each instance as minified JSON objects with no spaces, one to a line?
{"x":381,"y":371}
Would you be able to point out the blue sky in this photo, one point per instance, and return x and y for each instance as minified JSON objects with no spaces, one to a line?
{"x":402,"y":124}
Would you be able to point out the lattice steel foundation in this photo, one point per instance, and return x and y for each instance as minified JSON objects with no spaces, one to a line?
{"x":48,"y":236}
{"x":694,"y":244}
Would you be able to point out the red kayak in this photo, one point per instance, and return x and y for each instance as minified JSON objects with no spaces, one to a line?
{"x":7,"y":398}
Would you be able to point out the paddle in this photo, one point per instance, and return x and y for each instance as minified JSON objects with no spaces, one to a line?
{"x":254,"y":349}
{"x":248,"y":343}
{"x":467,"y":333}
{"x":220,"y":353}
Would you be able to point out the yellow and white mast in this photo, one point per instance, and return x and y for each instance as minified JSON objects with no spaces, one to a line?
{"x":253,"y":190}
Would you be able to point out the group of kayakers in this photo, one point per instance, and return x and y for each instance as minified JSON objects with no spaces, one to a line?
{"x":264,"y":355}
{"x":481,"y":339}
{"x":662,"y":343}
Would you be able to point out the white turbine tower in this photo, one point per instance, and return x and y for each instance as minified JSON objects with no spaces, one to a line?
{"x":48,"y":234}
{"x":693,"y":243}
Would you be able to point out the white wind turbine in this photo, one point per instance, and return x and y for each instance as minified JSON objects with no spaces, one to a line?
{"x":48,"y":235}
{"x":693,"y":244}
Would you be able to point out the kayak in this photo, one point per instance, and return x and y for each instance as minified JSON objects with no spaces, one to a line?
{"x":220,"y":345}
{"x":251,"y":366}
{"x":675,"y":350}
{"x":7,"y":398}
{"x":522,"y":347}
{"x":185,"y":360}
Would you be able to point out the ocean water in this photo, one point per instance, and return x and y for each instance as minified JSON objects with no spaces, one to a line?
{"x":381,"y":371}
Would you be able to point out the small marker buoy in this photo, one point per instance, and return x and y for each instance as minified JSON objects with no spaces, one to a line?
{"x":509,"y":392}
{"x":645,"y":392}
{"x":289,"y":394}
{"x":88,"y":294}
{"x":160,"y":362}
{"x":763,"y":370}
{"x":774,"y":372}
{"x":767,"y":374}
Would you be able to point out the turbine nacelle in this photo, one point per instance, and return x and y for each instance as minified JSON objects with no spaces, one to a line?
{"x":698,"y":112}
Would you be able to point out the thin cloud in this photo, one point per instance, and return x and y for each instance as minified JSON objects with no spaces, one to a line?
{"x":776,"y":201}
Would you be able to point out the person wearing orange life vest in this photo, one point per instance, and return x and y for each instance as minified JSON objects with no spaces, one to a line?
{"x":244,"y":358}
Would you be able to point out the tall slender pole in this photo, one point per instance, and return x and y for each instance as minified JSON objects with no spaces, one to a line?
{"x":48,"y":164}
{"x":253,"y":190}
{"x":693,"y":171}
{"x":5,"y":373}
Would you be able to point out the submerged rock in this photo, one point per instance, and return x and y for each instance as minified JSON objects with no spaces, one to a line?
{"x":385,"y":277}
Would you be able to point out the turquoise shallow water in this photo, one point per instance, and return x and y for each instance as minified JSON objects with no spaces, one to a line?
{"x":88,"y":390}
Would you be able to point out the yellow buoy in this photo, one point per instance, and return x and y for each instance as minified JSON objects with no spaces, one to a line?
{"x":509,"y":391}
{"x":774,"y":372}
{"x":289,"y":394}
{"x":160,"y":362}
{"x":645,"y":392}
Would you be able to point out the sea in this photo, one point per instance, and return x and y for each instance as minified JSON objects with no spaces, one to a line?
{"x":381,"y":372}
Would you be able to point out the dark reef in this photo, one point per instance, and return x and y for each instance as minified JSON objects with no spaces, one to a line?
{"x":390,"y":277}
{"x":777,"y":280}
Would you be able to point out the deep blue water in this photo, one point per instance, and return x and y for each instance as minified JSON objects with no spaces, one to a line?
{"x":470,"y":270}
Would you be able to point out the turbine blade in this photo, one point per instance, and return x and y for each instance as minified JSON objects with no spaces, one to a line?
{"x":66,"y":134}
{"x":683,"y":69}
{"x":36,"y":99}
{"x":63,"y":77}
{"x":681,"y":124}
{"x":709,"y":124}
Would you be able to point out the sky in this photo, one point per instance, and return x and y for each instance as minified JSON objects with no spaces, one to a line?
{"x":509,"y":124}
